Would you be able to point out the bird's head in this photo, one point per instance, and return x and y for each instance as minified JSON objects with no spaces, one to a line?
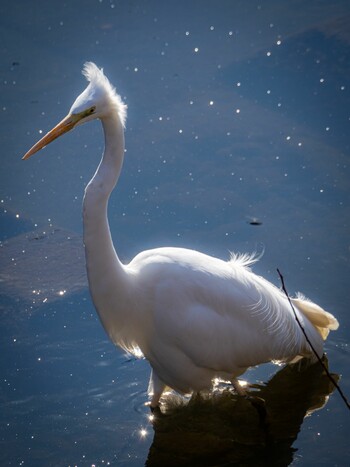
{"x":98,"y":100}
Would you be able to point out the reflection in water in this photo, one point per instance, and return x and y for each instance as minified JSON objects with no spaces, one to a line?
{"x":224,"y":429}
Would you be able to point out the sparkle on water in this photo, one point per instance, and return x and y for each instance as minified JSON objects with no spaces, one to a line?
{"x":237,"y":136}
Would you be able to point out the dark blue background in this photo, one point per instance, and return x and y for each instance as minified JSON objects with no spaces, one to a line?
{"x":237,"y":111}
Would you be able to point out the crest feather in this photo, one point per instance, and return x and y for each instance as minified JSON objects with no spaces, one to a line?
{"x":98,"y":79}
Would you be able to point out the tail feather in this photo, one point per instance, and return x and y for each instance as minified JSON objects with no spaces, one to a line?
{"x":319,"y":318}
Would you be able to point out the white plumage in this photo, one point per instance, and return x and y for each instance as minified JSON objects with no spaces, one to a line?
{"x":194,"y":317}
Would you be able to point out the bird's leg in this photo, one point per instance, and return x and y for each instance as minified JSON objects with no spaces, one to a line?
{"x":238,"y":388}
{"x":155,"y":389}
{"x":257,"y":402}
{"x":154,"y":404}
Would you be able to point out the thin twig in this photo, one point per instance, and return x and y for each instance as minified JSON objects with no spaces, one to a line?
{"x":336,"y":385}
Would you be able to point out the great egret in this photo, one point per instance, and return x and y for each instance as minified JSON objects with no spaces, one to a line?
{"x":194,"y":317}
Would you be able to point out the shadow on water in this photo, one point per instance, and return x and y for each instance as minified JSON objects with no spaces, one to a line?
{"x":225,"y":429}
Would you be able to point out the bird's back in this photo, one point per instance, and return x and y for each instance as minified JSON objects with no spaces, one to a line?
{"x":211,"y":317}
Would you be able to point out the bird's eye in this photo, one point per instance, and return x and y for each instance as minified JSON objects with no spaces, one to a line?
{"x":89,"y":111}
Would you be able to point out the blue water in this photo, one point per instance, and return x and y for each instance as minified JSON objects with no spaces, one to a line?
{"x":238,"y":114}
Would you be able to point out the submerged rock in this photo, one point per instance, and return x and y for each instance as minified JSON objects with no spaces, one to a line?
{"x":223,"y":429}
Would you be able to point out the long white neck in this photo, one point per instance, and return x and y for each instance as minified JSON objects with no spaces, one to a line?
{"x":104,"y":269}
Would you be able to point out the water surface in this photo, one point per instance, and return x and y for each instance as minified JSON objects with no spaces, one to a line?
{"x":237,"y":140}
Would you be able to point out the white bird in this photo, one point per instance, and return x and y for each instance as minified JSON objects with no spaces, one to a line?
{"x":192,"y":316}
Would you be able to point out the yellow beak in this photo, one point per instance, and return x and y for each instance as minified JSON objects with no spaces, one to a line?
{"x":65,"y":125}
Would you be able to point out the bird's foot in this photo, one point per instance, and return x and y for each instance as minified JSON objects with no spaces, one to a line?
{"x":155,"y":411}
{"x":154,"y":408}
{"x":154,"y":405}
{"x":259,"y":404}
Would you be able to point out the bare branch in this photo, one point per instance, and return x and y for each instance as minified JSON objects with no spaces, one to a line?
{"x":336,"y":385}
